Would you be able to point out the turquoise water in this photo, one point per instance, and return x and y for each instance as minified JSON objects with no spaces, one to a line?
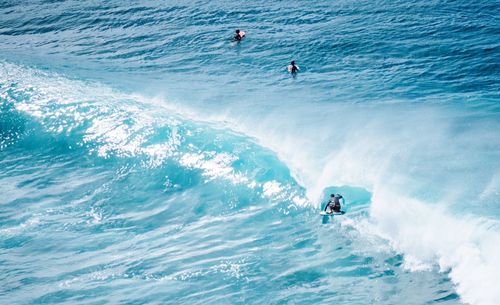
{"x":147,"y":159}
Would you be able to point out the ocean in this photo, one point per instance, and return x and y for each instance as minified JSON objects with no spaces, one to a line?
{"x":146,"y":158}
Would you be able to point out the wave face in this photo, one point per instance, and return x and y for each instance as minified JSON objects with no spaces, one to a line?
{"x":145,"y":158}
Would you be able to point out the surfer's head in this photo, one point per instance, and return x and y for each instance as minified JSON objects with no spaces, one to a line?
{"x":237,"y":31}
{"x":293,"y":63}
{"x":331,"y":195}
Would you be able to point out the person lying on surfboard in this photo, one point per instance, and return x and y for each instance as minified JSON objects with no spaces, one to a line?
{"x":239,"y":35}
{"x":334,"y":204}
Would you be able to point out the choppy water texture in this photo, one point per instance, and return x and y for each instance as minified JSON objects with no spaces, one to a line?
{"x":147,"y":159}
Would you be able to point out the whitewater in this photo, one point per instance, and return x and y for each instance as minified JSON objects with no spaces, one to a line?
{"x":145,"y":158}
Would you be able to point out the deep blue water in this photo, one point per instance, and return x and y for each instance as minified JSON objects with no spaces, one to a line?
{"x":145,"y":158}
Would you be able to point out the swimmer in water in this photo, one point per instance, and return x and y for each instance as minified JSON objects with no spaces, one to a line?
{"x":239,"y":35}
{"x":292,"y":68}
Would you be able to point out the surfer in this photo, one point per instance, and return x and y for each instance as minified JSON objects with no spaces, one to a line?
{"x":292,"y":68}
{"x":334,"y":204}
{"x":239,"y":35}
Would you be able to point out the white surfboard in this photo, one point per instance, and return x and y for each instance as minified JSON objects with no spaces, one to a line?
{"x":323,"y":213}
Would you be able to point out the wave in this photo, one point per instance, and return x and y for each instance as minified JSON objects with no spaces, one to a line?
{"x":432,"y":170}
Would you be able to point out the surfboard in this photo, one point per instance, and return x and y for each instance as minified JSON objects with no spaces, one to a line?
{"x":323,"y":213}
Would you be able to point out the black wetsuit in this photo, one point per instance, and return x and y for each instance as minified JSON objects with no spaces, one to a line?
{"x":334,"y":204}
{"x":294,"y":69}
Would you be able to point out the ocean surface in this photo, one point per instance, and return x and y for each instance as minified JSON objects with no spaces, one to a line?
{"x":145,"y":158}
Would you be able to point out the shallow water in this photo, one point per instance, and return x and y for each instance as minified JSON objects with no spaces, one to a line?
{"x":146,"y":158}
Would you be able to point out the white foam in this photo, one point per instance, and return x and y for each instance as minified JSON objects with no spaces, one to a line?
{"x":271,"y":188}
{"x":213,"y":165}
{"x":429,"y":235}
